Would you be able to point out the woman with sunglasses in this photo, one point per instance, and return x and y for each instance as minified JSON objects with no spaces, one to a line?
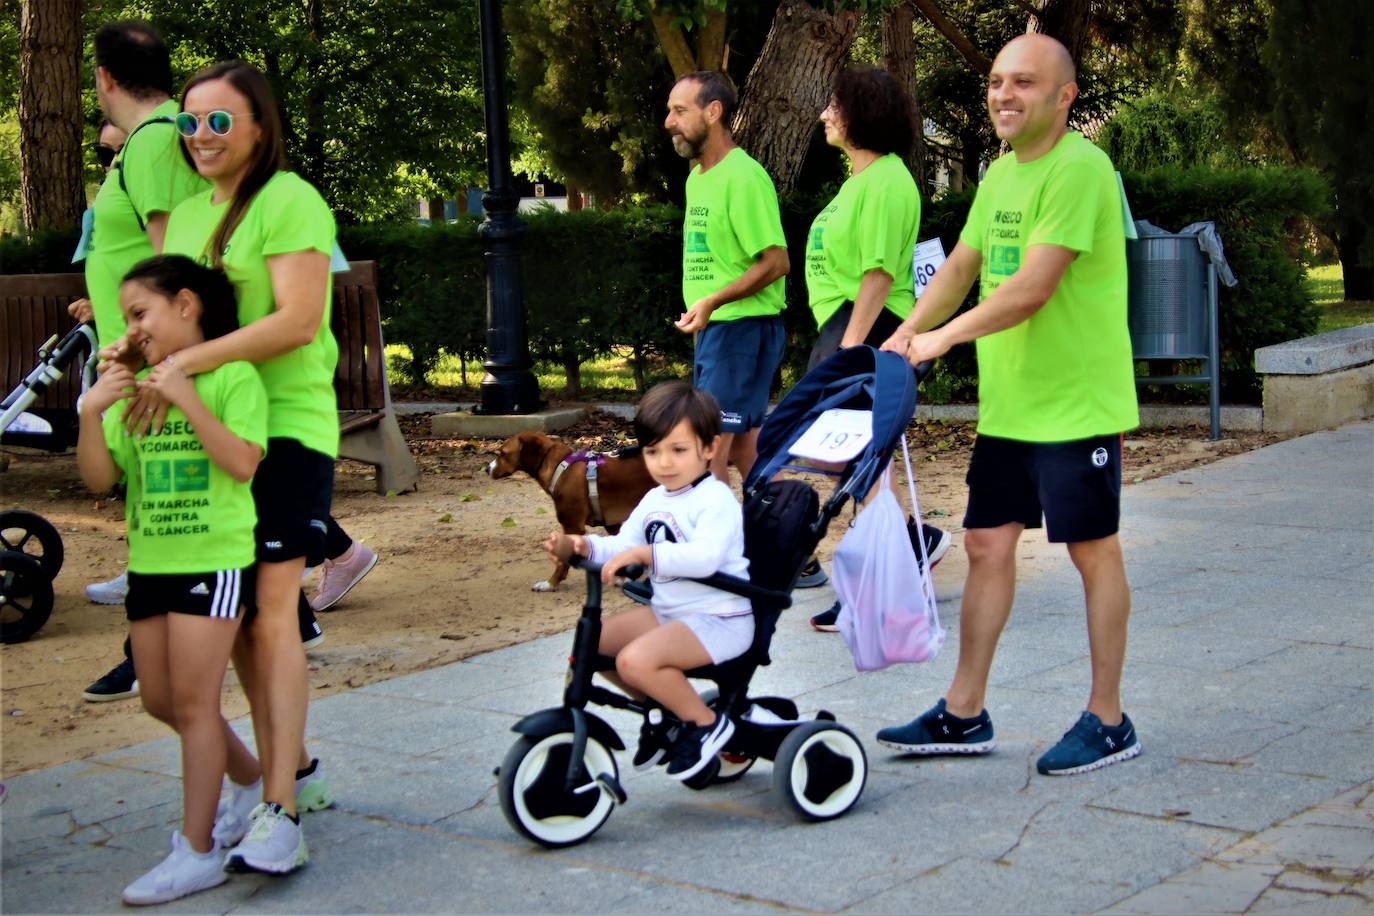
{"x":273,"y":233}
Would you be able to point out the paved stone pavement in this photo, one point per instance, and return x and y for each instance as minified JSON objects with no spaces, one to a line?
{"x":1250,"y":676}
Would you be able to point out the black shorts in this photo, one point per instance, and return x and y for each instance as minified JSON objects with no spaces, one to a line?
{"x":225,"y":594}
{"x":1076,"y":485}
{"x":292,"y":491}
{"x":832,"y":332}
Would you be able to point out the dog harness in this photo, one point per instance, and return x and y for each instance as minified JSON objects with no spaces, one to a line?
{"x":594,"y":461}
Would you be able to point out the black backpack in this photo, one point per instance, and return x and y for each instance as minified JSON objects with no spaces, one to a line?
{"x":778,"y":538}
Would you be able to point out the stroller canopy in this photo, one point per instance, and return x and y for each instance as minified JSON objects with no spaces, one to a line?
{"x":856,"y":378}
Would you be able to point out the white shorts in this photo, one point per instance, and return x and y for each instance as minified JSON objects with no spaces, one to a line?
{"x":722,"y":637}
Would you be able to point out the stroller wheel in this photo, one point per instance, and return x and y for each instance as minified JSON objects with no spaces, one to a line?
{"x":820,"y":770}
{"x":535,"y":797}
{"x":25,"y":596}
{"x":32,"y":534}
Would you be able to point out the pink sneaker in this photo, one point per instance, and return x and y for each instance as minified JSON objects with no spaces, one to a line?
{"x":341,"y":575}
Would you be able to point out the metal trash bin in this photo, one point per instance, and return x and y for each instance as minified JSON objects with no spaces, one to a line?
{"x":1172,"y":310}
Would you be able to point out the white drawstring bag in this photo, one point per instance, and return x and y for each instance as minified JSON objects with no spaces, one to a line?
{"x":887,"y":601}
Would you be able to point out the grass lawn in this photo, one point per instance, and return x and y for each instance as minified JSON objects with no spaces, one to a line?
{"x":1324,"y":283}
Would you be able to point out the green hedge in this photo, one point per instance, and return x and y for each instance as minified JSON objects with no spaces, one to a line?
{"x":599,"y":279}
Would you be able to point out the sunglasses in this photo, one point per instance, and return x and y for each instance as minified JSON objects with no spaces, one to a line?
{"x":105,"y":155}
{"x":219,"y":123}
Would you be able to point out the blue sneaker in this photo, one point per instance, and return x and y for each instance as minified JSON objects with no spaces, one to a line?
{"x":1089,"y":746}
{"x":940,"y":732}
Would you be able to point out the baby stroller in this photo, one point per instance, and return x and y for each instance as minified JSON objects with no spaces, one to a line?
{"x":30,"y":547}
{"x":559,"y":781}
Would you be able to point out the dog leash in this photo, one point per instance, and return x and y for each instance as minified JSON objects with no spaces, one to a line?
{"x":594,"y":460}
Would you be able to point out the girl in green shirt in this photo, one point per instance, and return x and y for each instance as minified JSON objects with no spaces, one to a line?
{"x":190,"y":530}
{"x":273,"y":234}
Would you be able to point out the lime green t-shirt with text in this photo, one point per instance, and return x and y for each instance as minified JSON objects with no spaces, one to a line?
{"x":157,"y":177}
{"x":287,"y":215}
{"x":1066,"y":372}
{"x":185,"y":514}
{"x":870,"y":224}
{"x":731,"y":218}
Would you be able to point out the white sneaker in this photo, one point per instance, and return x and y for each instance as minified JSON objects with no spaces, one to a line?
{"x":183,"y":872}
{"x":234,"y":815}
{"x":275,"y":844}
{"x":312,"y":790}
{"x":112,"y":592}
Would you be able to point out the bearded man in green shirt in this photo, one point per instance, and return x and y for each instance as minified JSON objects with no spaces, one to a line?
{"x":734,"y":258}
{"x":1056,"y":392}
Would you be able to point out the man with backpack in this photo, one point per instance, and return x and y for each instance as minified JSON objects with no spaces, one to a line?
{"x":1056,"y":390}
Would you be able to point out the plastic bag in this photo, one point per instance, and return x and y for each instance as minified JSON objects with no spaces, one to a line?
{"x":887,"y":602}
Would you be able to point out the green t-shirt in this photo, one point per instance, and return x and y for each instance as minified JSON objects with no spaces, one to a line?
{"x":1066,"y":372}
{"x":185,"y":514}
{"x":157,"y":177}
{"x":732,"y":217}
{"x":286,"y":216}
{"x":870,"y":224}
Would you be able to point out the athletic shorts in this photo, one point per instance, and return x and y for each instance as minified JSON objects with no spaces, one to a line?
{"x":292,"y":491}
{"x":832,"y":332}
{"x":735,"y":362}
{"x":213,"y":594}
{"x":1075,"y":485}
{"x":722,"y":637}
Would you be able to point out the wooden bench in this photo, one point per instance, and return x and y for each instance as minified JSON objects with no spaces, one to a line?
{"x":35,"y":308}
{"x":368,"y":430}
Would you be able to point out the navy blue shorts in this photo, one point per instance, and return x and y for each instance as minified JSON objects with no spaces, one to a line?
{"x":832,"y":332}
{"x":292,"y":491}
{"x":735,"y":361}
{"x":1076,"y":486}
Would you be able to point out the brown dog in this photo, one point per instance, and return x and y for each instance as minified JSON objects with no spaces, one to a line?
{"x":620,"y":484}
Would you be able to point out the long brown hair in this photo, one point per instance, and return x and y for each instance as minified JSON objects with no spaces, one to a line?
{"x":270,"y":156}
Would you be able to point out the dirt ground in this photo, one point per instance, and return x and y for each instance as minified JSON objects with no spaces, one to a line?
{"x":458,"y":558}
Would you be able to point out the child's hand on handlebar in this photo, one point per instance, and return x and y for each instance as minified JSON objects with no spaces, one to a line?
{"x":563,"y":547}
{"x":642,"y":555}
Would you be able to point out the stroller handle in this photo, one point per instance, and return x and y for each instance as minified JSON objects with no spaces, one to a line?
{"x":726,"y":583}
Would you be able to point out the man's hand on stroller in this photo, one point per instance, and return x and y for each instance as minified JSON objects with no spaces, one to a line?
{"x":927,"y":346}
{"x":900,"y":340}
{"x":81,"y":311}
{"x":562,"y":546}
{"x":642,"y":556}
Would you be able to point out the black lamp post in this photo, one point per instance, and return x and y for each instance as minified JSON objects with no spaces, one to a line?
{"x":509,"y":386}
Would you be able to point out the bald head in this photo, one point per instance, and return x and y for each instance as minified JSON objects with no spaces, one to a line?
{"x":1030,"y":91}
{"x":1042,"y":53}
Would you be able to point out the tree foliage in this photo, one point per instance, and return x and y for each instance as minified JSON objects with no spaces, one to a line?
{"x":1295,"y":75}
{"x":592,"y":85}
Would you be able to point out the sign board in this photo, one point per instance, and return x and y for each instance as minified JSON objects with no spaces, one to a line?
{"x":837,"y":436}
{"x":925,"y":260}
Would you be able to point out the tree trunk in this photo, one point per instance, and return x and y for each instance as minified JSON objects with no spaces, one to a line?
{"x":574,"y":198}
{"x":1067,"y":20}
{"x":50,"y":184}
{"x":1351,"y":232}
{"x":789,"y":86}
{"x":572,"y":375}
{"x":436,"y":211}
{"x":899,"y":59}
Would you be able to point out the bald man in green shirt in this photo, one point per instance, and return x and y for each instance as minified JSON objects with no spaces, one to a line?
{"x":1056,"y":391}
